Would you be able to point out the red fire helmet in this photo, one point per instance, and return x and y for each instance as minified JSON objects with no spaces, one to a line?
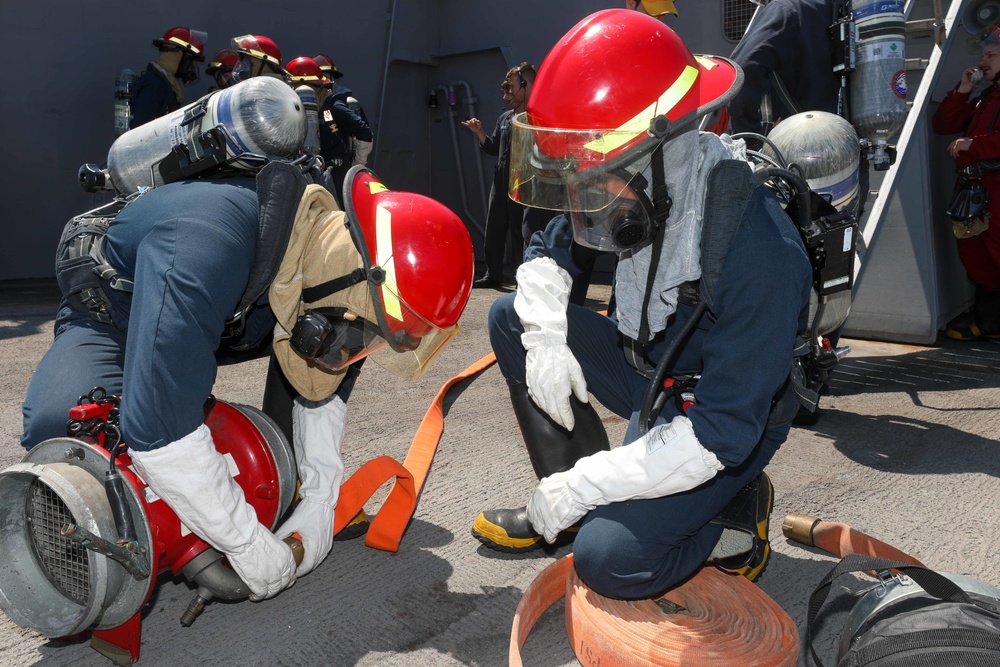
{"x":224,"y":60}
{"x":258,"y":46}
{"x":616,"y":85}
{"x":420,"y":265}
{"x":305,"y":71}
{"x":191,"y":41}
{"x":326,"y":64}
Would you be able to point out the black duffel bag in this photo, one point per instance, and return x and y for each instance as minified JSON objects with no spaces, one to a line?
{"x":921,"y":618}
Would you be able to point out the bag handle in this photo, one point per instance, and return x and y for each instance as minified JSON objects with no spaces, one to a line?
{"x":934,"y":584}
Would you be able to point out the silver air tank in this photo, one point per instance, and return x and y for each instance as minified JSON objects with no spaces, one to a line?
{"x":311,"y":106}
{"x":259,"y":117}
{"x":826,"y":149}
{"x":878,"y":86}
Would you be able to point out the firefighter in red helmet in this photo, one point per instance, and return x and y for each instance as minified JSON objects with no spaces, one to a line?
{"x":159,"y":89}
{"x":698,"y":351}
{"x":221,"y":67}
{"x":257,"y":55}
{"x":385,"y":279}
{"x":345,"y":136}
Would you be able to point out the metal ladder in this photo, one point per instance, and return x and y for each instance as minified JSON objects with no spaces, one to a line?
{"x":909,"y":282}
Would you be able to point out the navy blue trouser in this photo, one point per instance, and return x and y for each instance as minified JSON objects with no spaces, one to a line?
{"x":640,"y":548}
{"x":86,"y":354}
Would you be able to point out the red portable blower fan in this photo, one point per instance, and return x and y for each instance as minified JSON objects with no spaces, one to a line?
{"x":66,"y":567}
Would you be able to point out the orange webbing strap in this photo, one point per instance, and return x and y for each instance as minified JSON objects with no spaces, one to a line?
{"x":839,"y":539}
{"x":386,"y":529}
{"x":711,"y":620}
{"x":425,"y":441}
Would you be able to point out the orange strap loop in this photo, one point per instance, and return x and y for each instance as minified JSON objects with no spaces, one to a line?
{"x":711,"y":620}
{"x":387,"y":528}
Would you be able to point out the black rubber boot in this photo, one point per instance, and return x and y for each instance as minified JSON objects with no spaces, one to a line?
{"x":551,"y":449}
{"x":743,"y":547}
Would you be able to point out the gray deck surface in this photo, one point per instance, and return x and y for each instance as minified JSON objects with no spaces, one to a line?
{"x":906,"y":450}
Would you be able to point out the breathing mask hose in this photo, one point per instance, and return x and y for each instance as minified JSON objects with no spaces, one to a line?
{"x":646,"y":412}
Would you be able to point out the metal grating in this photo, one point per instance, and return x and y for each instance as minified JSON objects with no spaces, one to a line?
{"x":736,"y":15}
{"x":63,"y":561}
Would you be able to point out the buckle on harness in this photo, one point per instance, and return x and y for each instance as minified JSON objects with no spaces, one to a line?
{"x":235,"y":325}
{"x":885,"y":579}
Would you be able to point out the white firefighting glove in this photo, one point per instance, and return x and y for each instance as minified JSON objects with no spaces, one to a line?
{"x":666,"y":460}
{"x":362,"y":149}
{"x":318,"y":433}
{"x":195,"y":481}
{"x":552,"y":373}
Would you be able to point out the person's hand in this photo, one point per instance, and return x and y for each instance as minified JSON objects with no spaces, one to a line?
{"x":969,"y":80}
{"x":318,"y":435}
{"x":552,"y":508}
{"x":266,"y":565}
{"x":552,"y":374}
{"x":194,"y":480}
{"x":313,"y":522}
{"x":476,"y":127}
{"x":959,"y":146}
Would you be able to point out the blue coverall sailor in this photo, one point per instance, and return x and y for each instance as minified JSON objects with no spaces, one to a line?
{"x":742,"y":350}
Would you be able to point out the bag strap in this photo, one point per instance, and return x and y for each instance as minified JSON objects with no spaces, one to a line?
{"x":934,"y":584}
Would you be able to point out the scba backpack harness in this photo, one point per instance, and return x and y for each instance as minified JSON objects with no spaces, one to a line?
{"x":83,"y":271}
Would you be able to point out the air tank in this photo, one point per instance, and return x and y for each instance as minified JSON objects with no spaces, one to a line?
{"x":878,"y":85}
{"x":311,"y":107}
{"x":826,"y":148}
{"x":259,"y":117}
{"x":125,"y":82}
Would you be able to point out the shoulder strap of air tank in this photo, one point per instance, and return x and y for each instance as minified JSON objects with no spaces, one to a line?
{"x":730,"y":185}
{"x":280,"y":187}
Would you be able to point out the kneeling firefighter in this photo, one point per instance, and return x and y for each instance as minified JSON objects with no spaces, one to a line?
{"x":712,"y":290}
{"x":387,"y":278}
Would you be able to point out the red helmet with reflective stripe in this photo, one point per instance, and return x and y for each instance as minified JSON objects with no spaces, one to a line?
{"x":258,"y":46}
{"x":191,"y":41}
{"x":422,"y":245}
{"x":623,"y":77}
{"x":305,"y":71}
{"x":224,"y":60}
{"x":326,"y":64}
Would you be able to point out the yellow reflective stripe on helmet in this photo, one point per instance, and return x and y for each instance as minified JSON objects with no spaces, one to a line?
{"x":383,"y":243}
{"x":181,"y":42}
{"x":640,"y":122}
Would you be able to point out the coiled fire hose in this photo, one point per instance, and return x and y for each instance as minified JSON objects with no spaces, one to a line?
{"x":713,"y":619}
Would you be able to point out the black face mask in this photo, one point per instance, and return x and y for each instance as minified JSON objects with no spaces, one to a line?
{"x":187,"y":69}
{"x":327,"y":338}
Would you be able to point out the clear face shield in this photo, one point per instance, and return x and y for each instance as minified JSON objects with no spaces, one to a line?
{"x":605,"y":198}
